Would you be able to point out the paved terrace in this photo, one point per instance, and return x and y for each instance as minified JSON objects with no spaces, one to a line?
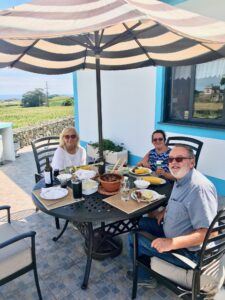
{"x":61,"y":265}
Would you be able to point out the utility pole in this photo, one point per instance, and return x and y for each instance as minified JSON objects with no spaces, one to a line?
{"x":47,"y":101}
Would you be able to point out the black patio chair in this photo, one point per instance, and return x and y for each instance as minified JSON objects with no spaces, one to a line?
{"x":194,"y":144}
{"x":17,"y":256}
{"x":42,"y":148}
{"x":203,"y":280}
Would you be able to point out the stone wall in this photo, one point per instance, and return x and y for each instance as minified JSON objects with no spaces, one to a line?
{"x":26,"y":135}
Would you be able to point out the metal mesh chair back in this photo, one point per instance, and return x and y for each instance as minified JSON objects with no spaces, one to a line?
{"x":194,"y":144}
{"x":213,"y":247}
{"x":42,"y":148}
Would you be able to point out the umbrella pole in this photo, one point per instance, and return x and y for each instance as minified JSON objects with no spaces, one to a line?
{"x":99,"y":106}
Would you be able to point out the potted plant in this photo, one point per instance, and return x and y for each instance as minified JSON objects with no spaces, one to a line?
{"x":111,"y":151}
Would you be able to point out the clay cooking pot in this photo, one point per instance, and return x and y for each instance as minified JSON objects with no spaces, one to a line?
{"x":110,"y":182}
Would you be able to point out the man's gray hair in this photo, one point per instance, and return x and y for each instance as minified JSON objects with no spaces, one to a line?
{"x":188,"y":148}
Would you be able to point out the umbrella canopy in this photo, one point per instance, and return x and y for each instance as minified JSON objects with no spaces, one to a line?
{"x":61,"y":36}
{"x":58,"y":36}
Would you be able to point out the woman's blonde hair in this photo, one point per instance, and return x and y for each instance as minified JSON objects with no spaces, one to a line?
{"x":64,"y":132}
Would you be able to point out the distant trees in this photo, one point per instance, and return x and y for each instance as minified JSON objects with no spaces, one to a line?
{"x":33,"y":98}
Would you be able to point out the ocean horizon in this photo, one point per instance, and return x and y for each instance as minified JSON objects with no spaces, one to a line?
{"x":10,"y":96}
{"x":19,"y":97}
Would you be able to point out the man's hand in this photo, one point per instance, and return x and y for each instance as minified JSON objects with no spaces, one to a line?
{"x":159,"y":216}
{"x":162,"y":244}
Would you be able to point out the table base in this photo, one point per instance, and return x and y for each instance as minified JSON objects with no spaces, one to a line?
{"x":105,"y":246}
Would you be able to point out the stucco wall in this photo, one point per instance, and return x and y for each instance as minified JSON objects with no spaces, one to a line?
{"x":128,"y":107}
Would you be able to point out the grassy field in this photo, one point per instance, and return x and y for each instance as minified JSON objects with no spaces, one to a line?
{"x":23,"y":117}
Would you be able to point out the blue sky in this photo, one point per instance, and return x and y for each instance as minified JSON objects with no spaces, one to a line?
{"x":17,"y":82}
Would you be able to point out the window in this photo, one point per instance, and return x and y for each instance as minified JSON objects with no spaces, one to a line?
{"x":196,"y":94}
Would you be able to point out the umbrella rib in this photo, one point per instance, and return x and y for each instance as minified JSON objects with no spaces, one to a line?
{"x":139,"y":44}
{"x":85,"y":45}
{"x":118,"y":38}
{"x":101,"y":36}
{"x":24,"y":52}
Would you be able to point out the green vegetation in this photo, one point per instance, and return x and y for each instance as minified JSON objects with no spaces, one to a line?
{"x":109,"y":145}
{"x":12,"y":111}
{"x":59,"y":100}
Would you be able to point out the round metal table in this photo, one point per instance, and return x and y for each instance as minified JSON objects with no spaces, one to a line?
{"x":113,"y":222}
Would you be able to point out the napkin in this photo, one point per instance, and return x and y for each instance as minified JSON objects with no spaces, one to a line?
{"x":85,"y":174}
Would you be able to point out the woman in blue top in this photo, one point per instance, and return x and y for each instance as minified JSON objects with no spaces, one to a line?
{"x":159,"y":155}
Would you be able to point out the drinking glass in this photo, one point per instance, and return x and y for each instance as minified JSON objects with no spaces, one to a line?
{"x":77,"y":188}
{"x":125,"y":190}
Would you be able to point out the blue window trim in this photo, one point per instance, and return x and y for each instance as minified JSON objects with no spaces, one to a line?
{"x":177,"y":128}
{"x":76,"y":109}
{"x":173,"y":2}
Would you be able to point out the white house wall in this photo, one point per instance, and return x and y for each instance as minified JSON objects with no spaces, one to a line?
{"x":212,"y":159}
{"x":128,"y":107}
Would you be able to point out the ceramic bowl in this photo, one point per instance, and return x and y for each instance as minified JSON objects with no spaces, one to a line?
{"x":64,"y":177}
{"x":141,"y":184}
{"x":89,"y":186}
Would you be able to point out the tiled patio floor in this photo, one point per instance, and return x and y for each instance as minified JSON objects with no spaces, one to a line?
{"x":61,"y":264}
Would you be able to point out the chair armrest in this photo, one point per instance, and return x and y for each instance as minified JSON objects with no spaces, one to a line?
{"x":7,"y":207}
{"x":137,"y":233}
{"x":147,"y":235}
{"x":18,"y":238}
{"x":184,"y":259}
{"x":151,"y":237}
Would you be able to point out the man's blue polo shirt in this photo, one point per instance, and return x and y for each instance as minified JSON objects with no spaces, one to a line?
{"x":192,"y":205}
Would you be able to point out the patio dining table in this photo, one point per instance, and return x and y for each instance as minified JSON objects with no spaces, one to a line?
{"x":100,"y":223}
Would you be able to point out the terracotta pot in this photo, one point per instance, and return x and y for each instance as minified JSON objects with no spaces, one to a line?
{"x":110,"y":186}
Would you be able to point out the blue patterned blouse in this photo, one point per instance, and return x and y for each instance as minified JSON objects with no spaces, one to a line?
{"x":154,"y":156}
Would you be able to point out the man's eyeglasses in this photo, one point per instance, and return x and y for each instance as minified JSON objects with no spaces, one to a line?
{"x":159,"y":139}
{"x":177,"y":159}
{"x":72,"y":136}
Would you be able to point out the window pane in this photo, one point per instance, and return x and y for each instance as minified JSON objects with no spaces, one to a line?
{"x":180,"y":93}
{"x":209,"y":90}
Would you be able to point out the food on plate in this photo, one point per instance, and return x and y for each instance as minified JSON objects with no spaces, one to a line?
{"x":144,"y":195}
{"x":73,"y":169}
{"x":140,"y":170}
{"x":110,"y":177}
{"x":153,"y":180}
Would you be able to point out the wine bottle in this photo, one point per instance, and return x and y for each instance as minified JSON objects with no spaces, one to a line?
{"x":48,"y":174}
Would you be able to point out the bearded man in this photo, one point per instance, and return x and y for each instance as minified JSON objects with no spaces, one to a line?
{"x":183,"y":224}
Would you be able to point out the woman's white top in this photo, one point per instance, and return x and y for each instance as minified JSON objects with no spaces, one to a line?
{"x":62,"y":159}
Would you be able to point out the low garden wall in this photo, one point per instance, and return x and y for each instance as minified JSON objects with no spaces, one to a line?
{"x":25,"y":135}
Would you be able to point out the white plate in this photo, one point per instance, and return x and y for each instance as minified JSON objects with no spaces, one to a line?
{"x":156,"y":196}
{"x":53,"y":193}
{"x":148,"y":171}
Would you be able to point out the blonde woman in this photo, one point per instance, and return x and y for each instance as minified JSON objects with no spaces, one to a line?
{"x":69,"y":152}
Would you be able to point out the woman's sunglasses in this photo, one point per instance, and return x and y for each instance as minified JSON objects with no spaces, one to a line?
{"x":159,"y":139}
{"x":72,"y":136}
{"x":177,"y":159}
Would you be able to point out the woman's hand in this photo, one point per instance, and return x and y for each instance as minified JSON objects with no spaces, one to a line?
{"x":160,"y":172}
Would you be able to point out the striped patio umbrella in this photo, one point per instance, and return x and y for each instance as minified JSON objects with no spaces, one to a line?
{"x":61,"y":36}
